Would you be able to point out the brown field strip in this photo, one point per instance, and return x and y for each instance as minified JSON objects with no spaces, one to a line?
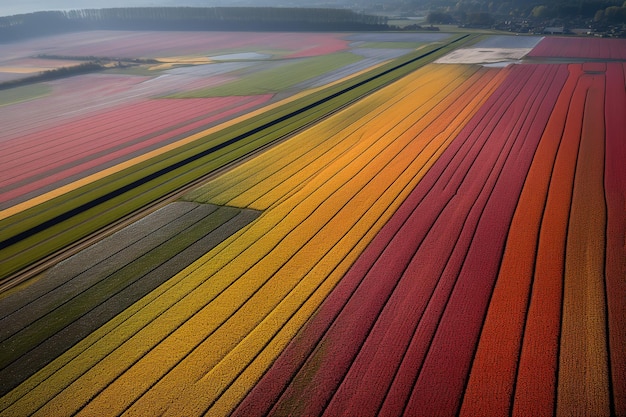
{"x":501,"y":337}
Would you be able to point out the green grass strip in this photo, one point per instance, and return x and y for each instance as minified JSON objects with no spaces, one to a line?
{"x":24,"y":93}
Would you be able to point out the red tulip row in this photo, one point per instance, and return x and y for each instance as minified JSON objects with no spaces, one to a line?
{"x":206,"y":335}
{"x":399,"y":331}
{"x":546,"y":327}
{"x":162,"y":44}
{"x":595,"y":48}
{"x":615,"y":194}
{"x":47,"y":158}
{"x":72,"y":99}
{"x":497,"y":288}
{"x":500,"y":342}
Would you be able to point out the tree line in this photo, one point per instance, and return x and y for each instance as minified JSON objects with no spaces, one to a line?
{"x":485,"y":12}
{"x":54,"y":74}
{"x":188,"y":18}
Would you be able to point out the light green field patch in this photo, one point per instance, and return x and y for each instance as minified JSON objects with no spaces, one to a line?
{"x":277,"y":79}
{"x":391,"y":45}
{"x":274,"y":53}
{"x":140,"y":70}
{"x":24,"y":93}
{"x":404,"y":22}
{"x":456,"y":29}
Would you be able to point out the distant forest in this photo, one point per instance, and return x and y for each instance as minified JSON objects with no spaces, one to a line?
{"x":518,"y":8}
{"x":188,"y":18}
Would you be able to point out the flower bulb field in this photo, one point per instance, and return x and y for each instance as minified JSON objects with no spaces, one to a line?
{"x":315,"y":224}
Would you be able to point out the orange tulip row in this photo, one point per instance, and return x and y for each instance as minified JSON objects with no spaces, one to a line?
{"x":545,"y":330}
{"x":398,"y":332}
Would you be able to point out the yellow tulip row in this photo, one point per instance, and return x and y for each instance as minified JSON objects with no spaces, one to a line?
{"x":200,"y":341}
{"x":335,"y":138}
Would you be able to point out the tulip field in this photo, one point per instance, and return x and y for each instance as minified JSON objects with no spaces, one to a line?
{"x":588,"y":48}
{"x":83,"y":146}
{"x":451,"y":243}
{"x":79,"y":115}
{"x":77,"y":140}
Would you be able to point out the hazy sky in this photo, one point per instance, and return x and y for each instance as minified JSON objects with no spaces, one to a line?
{"x":11,"y":7}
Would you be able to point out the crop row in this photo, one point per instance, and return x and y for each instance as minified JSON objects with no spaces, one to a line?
{"x":77,"y":98}
{"x":615,"y":192}
{"x":66,"y":100}
{"x":81,"y":294}
{"x":126,"y":117}
{"x":39,"y":230}
{"x":593,"y":48}
{"x":583,"y":354}
{"x":218,"y":325}
{"x":552,"y":278}
{"x":403,"y":327}
{"x":155,"y":44}
{"x":402,"y":323}
{"x":76,"y":149}
{"x":508,"y":309}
